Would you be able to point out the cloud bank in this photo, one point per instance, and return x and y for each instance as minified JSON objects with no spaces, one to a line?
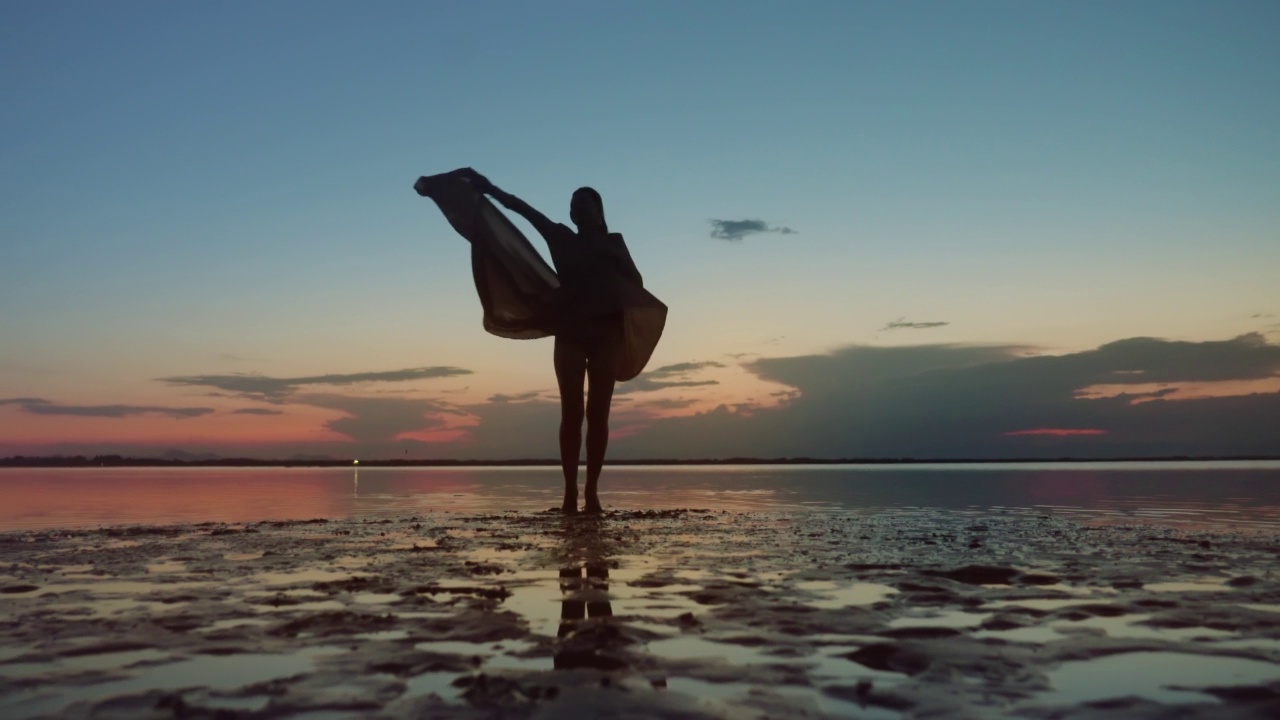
{"x":1135,"y":397}
{"x":991,"y":401}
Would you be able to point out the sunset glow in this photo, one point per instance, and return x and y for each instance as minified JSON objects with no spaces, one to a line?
{"x":977,"y":231}
{"x":1058,"y":432}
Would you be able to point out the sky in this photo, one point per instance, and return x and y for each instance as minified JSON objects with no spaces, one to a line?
{"x":925,"y":229}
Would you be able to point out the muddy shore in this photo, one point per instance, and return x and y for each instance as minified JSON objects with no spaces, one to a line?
{"x":667,"y":614}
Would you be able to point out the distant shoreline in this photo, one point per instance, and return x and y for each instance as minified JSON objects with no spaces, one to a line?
{"x":120,"y":461}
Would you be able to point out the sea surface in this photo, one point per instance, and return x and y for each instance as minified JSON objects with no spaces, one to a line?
{"x":1238,"y":495}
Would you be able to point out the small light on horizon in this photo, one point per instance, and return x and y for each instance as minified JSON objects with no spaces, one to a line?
{"x":355,"y":462}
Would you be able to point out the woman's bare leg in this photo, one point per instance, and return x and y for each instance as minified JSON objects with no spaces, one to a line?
{"x":571,"y":367}
{"x":601,"y":366}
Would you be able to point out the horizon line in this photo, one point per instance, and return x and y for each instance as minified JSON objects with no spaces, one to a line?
{"x":151,"y":461}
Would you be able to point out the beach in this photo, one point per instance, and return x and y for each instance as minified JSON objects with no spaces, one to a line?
{"x":677,"y":613}
{"x":916,"y":361}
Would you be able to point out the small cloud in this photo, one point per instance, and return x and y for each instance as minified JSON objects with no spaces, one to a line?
{"x":518,"y":397}
{"x":736,"y":230}
{"x":684,"y":367}
{"x":257,"y":411}
{"x":40,"y":406}
{"x":902,"y":324}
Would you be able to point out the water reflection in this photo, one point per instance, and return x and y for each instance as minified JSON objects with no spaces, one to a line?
{"x":585,"y":636}
{"x":1243,"y":494}
{"x":586,"y":595}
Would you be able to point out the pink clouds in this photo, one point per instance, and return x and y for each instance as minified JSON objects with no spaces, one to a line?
{"x":1057,"y":432}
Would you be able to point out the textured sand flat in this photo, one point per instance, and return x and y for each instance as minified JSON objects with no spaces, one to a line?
{"x":673,"y":614}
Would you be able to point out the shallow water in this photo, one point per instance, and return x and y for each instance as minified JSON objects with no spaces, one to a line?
{"x":1240,"y":495}
{"x":1159,"y":676}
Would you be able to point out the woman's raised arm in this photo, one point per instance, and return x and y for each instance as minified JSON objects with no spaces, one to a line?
{"x":540,"y":222}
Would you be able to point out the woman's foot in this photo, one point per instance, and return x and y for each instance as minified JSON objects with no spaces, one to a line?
{"x":570,"y":504}
{"x":592,"y":505}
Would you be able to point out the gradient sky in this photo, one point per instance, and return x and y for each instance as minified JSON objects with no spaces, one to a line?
{"x":200,"y":194}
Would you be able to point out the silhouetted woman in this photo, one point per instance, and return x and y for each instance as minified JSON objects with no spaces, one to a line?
{"x":605,"y":324}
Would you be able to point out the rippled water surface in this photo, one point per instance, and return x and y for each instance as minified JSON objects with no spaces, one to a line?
{"x":1227,"y":494}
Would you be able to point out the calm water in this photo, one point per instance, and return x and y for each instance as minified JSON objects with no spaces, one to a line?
{"x":1223,"y":494}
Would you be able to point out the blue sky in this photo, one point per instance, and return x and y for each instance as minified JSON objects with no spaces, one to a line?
{"x":225,"y":188}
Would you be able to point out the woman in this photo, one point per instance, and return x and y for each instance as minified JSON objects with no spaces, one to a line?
{"x":605,"y":324}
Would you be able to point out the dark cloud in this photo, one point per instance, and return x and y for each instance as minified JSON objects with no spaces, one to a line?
{"x":40,"y":406}
{"x":512,"y":430}
{"x":736,"y":230}
{"x":967,"y":401}
{"x":257,"y":411}
{"x":902,"y":324}
{"x":1247,"y":357}
{"x":272,"y":389}
{"x":669,"y":376}
{"x":379,"y":420}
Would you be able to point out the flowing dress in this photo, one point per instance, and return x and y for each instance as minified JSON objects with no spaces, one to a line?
{"x":523,"y":298}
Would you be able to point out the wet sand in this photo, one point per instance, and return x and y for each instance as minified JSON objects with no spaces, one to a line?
{"x":670,"y":614}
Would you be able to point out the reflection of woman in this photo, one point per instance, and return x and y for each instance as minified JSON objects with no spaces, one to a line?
{"x":584,"y":640}
{"x":605,"y":324}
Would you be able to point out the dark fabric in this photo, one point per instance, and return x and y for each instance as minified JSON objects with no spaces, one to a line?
{"x":523,"y":298}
